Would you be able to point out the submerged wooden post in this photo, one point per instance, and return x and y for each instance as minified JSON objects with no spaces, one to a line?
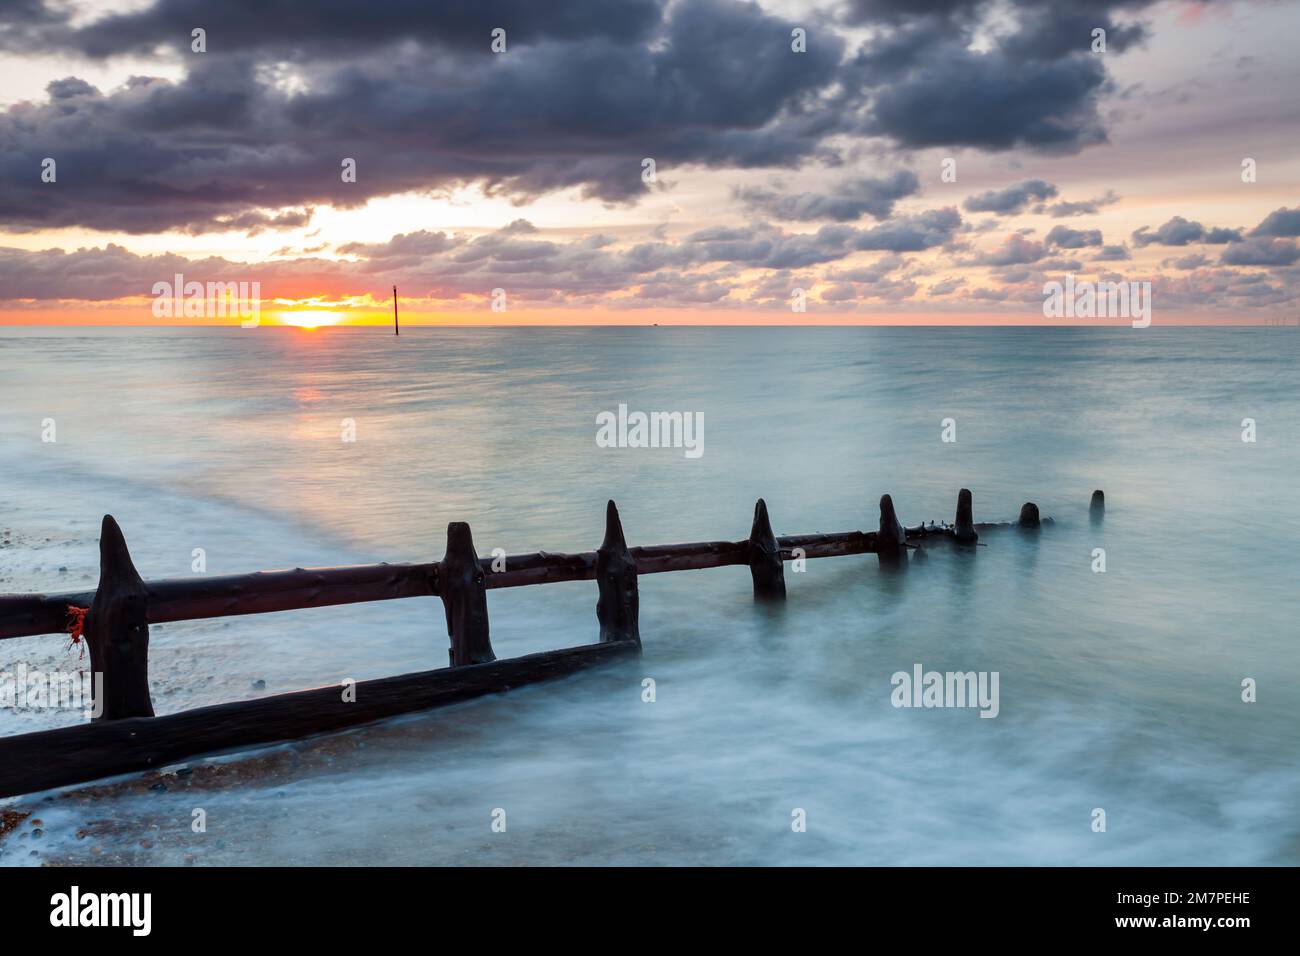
{"x":891,"y":539}
{"x":765,"y":565}
{"x":619,"y":606}
{"x":964,"y":525}
{"x":1029,"y":515}
{"x":117,"y":632}
{"x":1097,"y":509}
{"x":463,"y":589}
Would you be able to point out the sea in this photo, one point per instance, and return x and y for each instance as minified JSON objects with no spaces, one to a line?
{"x":1148,"y":664}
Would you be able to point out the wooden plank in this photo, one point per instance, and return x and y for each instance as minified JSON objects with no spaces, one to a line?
{"x":832,"y":545}
{"x":54,"y":758}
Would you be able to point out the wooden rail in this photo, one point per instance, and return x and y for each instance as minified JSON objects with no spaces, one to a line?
{"x":126,"y":736}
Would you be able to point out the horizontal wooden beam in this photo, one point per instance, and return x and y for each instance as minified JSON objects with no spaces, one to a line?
{"x":187,"y":599}
{"x":545,"y":567}
{"x":30,"y":763}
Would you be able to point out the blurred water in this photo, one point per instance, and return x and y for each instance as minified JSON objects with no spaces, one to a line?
{"x":1119,"y":690}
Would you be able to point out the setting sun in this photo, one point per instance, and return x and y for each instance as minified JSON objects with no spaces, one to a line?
{"x":309,"y":320}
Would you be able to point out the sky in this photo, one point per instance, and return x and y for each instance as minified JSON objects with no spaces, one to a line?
{"x":646,"y":161}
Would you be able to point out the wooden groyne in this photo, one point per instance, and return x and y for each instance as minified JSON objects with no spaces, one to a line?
{"x":127,"y":737}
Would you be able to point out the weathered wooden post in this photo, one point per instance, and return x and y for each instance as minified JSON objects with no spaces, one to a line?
{"x":1097,"y":508}
{"x":891,"y":539}
{"x":1029,"y":515}
{"x":964,"y":525}
{"x":765,"y":565}
{"x":463,"y":589}
{"x":619,"y":606}
{"x":117,"y":632}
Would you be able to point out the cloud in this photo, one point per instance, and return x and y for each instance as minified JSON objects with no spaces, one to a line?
{"x":234,"y":137}
{"x":1118,"y":253}
{"x":282,"y":27}
{"x":934,"y":227}
{"x":842,"y":292}
{"x":1012,"y":199}
{"x":850,"y":201}
{"x":535,"y":267}
{"x":985,"y":74}
{"x":1064,"y":237}
{"x":1086,"y":207}
{"x":1015,"y":250}
{"x":1280,"y":222}
{"x":253,"y":134}
{"x":1180,"y":232}
{"x":1261,"y":251}
{"x":952,"y":96}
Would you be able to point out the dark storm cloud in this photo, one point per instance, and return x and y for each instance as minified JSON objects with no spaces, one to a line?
{"x":556,"y":113}
{"x":859,"y":12}
{"x":850,"y":201}
{"x":1047,"y":28}
{"x":1036,"y":86}
{"x":1012,"y":199}
{"x":930,"y":89}
{"x":24,"y":24}
{"x":587,"y":89}
{"x":1180,"y":232}
{"x":1050,"y":29}
{"x":291,"y":25}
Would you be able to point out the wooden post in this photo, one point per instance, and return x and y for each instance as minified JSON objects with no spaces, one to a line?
{"x":396,"y":330}
{"x":1097,"y":509}
{"x":117,"y":632}
{"x":463,"y":588}
{"x":619,"y":606}
{"x":964,"y":525}
{"x":1029,"y":515}
{"x":765,"y":565}
{"x":891,"y":539}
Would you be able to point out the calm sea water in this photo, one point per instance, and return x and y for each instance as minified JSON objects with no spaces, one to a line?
{"x":1120,"y":691}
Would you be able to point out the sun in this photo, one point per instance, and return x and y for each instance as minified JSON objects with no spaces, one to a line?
{"x":310,"y":319}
